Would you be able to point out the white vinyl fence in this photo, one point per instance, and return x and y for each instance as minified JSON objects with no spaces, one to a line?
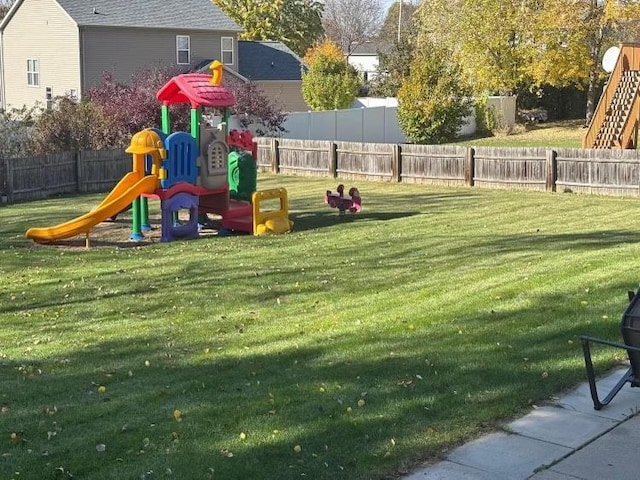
{"x":372,"y":124}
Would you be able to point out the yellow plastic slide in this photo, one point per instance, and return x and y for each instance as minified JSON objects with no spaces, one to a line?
{"x":125,"y":192}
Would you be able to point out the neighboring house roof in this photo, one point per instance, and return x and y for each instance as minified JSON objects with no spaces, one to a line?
{"x":262,"y":61}
{"x":370,"y":48}
{"x":205,"y":67}
{"x":366,"y":48}
{"x":185,"y":14}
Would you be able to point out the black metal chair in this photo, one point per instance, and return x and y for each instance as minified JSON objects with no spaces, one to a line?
{"x":630,"y":328}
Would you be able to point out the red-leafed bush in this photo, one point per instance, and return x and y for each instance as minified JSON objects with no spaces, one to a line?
{"x":110,"y":113}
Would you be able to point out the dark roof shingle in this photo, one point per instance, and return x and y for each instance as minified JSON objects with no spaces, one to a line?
{"x":268,"y":61}
{"x":183,"y":14}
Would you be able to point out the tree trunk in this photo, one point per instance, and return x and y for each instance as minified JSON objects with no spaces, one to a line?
{"x":591,"y":92}
{"x":595,"y":40}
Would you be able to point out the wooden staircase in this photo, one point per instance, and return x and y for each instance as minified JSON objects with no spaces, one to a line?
{"x":610,"y":133}
{"x":617,"y":116}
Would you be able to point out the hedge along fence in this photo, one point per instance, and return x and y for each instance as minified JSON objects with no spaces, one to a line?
{"x":605,"y":172}
{"x":34,"y":178}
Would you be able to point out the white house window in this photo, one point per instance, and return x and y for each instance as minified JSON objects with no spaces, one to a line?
{"x":183,"y":49}
{"x":33,"y":73}
{"x":227,"y":50}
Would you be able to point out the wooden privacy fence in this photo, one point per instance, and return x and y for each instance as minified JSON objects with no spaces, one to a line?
{"x":39,"y":177}
{"x":605,"y":172}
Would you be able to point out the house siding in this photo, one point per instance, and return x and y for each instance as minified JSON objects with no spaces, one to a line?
{"x":285,"y":93}
{"x":52,"y":40}
{"x":124,"y":51}
{"x":365,"y":64}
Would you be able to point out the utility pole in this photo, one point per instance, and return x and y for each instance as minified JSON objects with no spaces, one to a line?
{"x":399,"y":19}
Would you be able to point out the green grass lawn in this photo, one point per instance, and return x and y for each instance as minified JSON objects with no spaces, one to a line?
{"x":352,"y":348}
{"x":561,"y":134}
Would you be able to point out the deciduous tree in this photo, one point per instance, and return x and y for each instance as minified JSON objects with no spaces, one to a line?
{"x":433,"y":102}
{"x":505,"y":44}
{"x":571,"y":38}
{"x":16,"y":132}
{"x":398,"y":23}
{"x":113,"y":111}
{"x":331,"y":83}
{"x":487,"y":37}
{"x":71,"y":126}
{"x":296,"y":23}
{"x":396,"y":43}
{"x":350,"y":23}
{"x":394,"y":66}
{"x":253,"y":108}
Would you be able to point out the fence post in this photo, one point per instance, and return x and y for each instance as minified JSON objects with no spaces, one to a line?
{"x":3,"y":181}
{"x":396,"y":163}
{"x":469,"y":166}
{"x":275,"y":155}
{"x":333,"y":159}
{"x":80,"y":183}
{"x":552,"y":170}
{"x":8,"y":171}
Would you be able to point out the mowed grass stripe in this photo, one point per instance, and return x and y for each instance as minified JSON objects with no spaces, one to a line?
{"x":372,"y":342}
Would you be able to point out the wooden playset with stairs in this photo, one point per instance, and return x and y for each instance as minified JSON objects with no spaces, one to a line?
{"x":616,"y":119}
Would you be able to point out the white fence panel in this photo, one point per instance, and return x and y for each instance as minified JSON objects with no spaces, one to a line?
{"x":392,"y":131}
{"x":349,"y":124}
{"x":322,"y":125}
{"x":376,"y":124}
{"x":373,"y":125}
{"x":297,"y":125}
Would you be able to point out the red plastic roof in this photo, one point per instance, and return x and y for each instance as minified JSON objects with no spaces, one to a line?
{"x":196,"y":89}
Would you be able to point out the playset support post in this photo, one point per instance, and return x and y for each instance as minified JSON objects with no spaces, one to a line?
{"x":166,"y":126}
{"x":196,"y":117}
{"x":136,"y":234}
{"x":144,"y":214}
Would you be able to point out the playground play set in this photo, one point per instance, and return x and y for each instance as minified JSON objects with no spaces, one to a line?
{"x":351,"y":203}
{"x":208,"y":170}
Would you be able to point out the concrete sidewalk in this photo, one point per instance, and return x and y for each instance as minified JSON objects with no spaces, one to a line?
{"x":567,"y":441}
